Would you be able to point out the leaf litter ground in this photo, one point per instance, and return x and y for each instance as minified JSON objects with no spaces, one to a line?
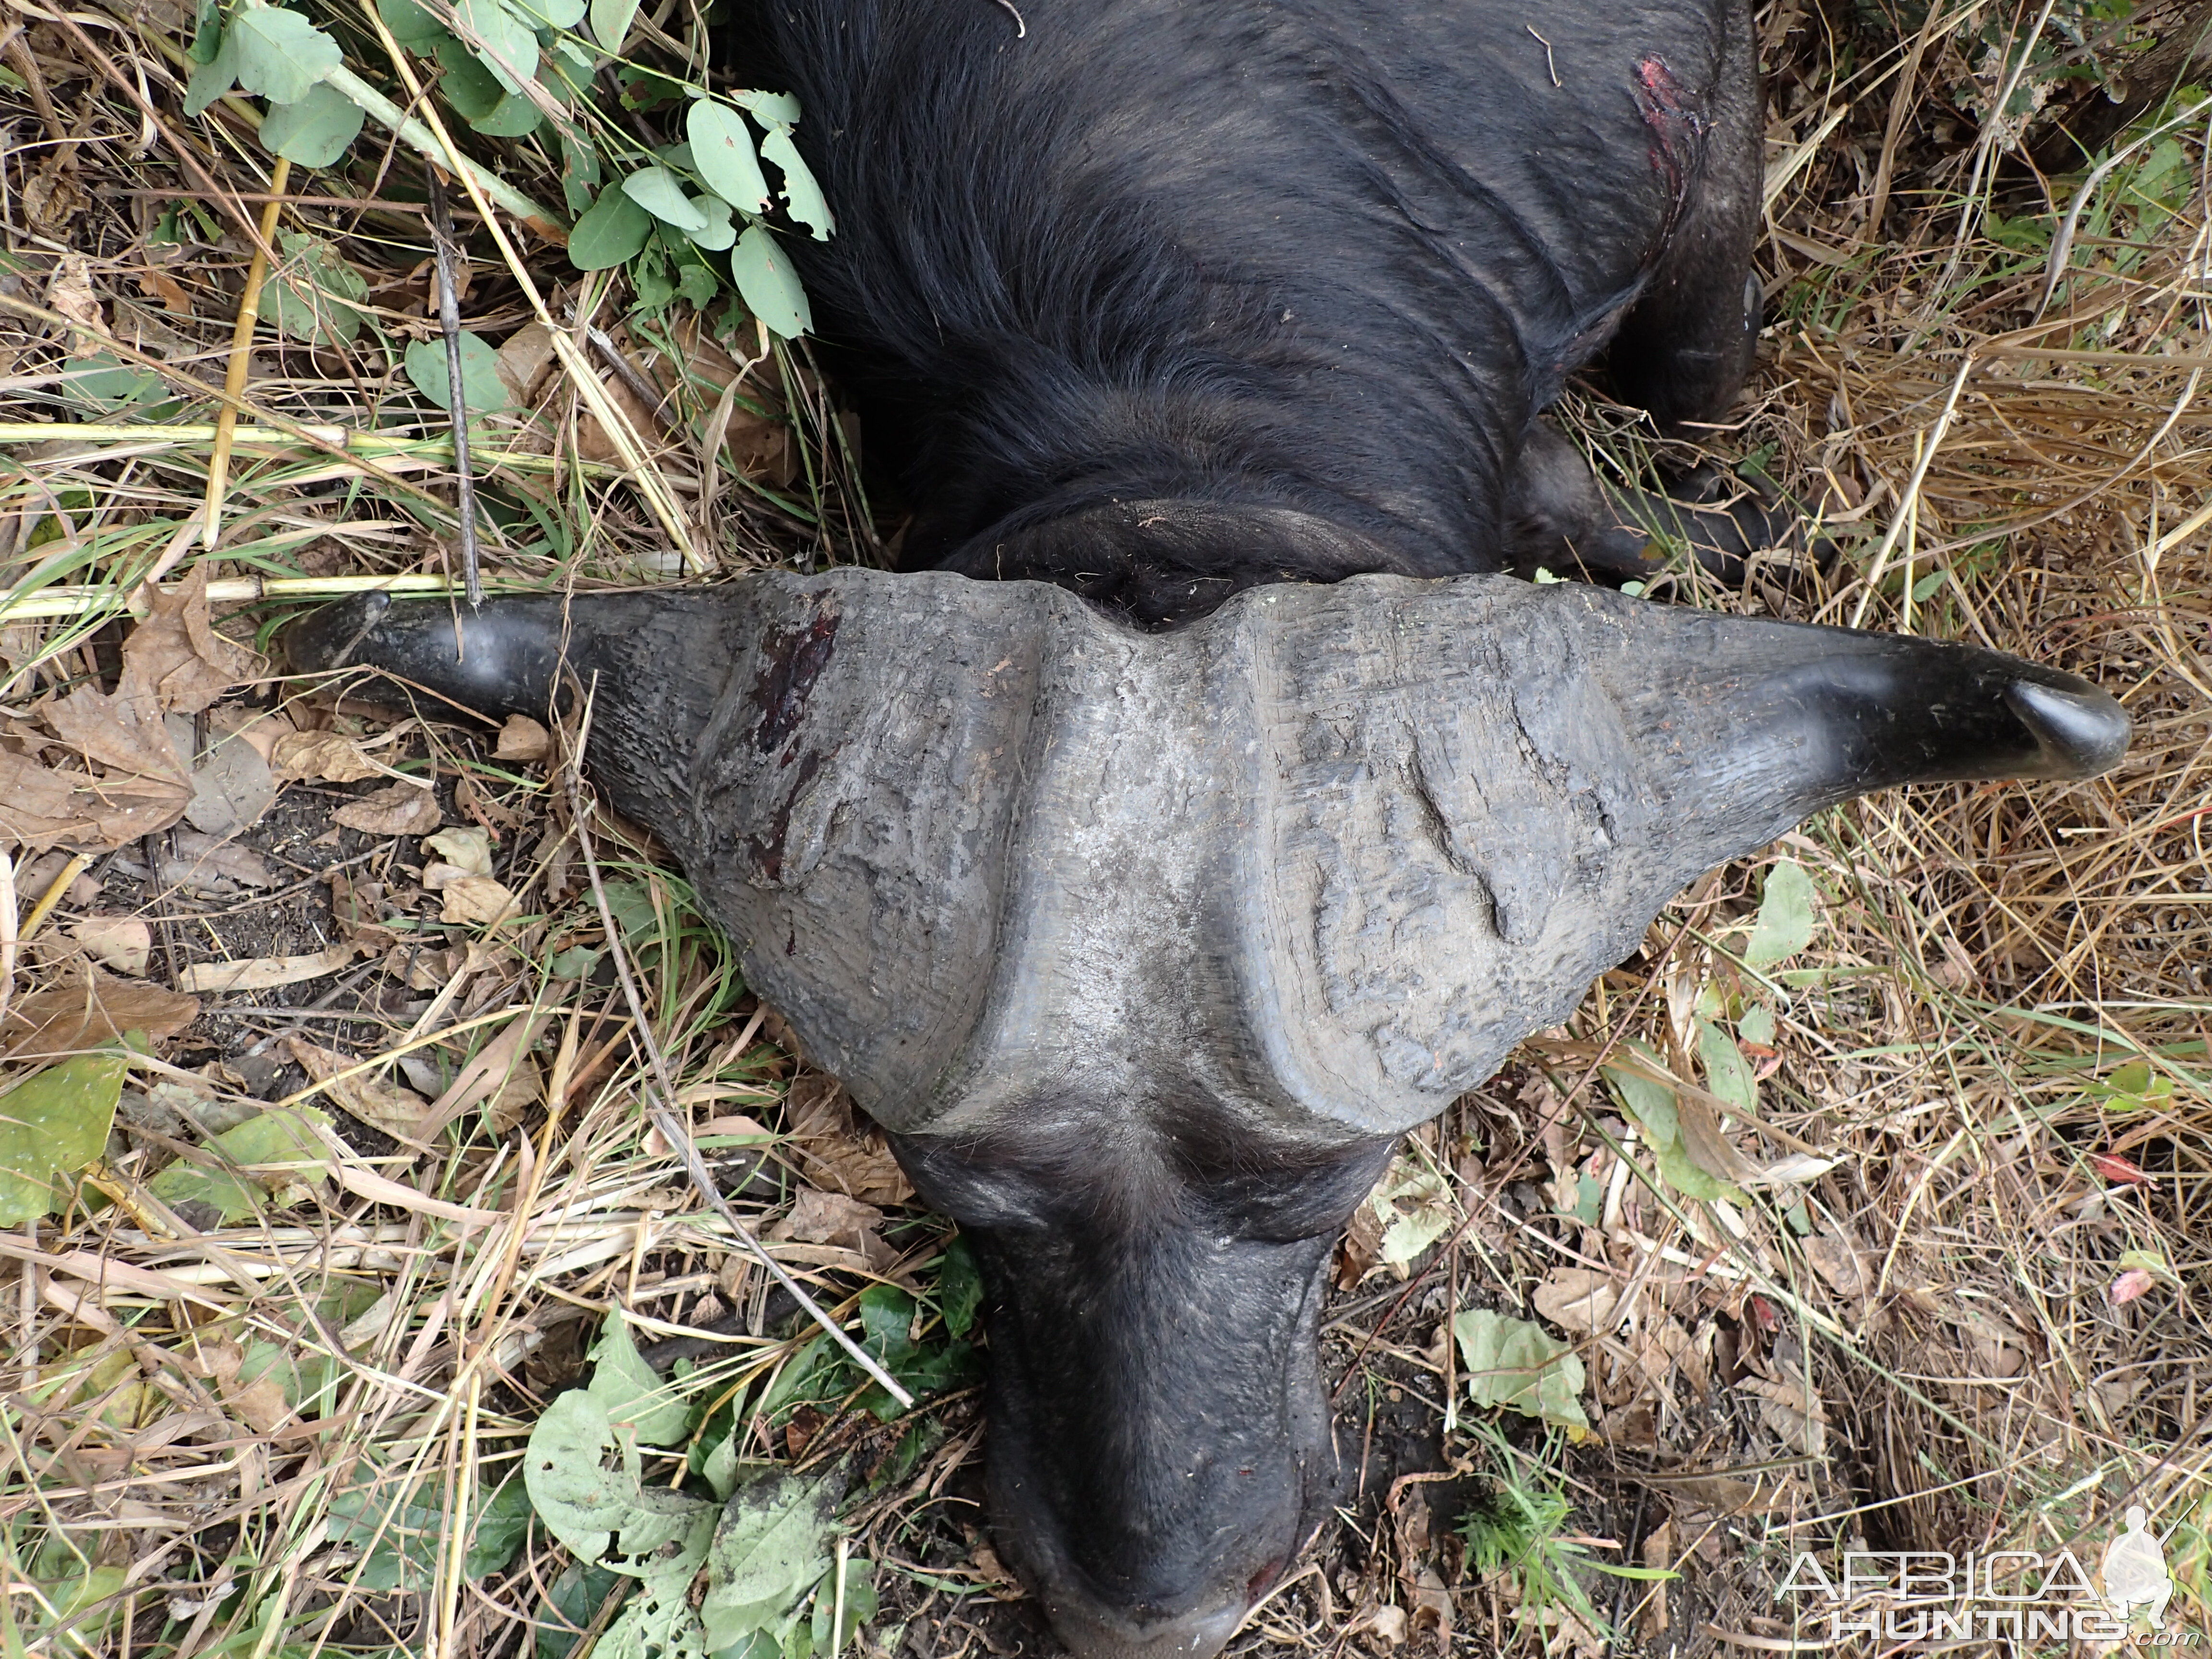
{"x":1855,"y":1212}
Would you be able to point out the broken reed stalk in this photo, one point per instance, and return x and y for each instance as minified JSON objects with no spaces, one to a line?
{"x":234,"y":380}
{"x":94,"y":599}
{"x":301,"y":431}
{"x":660,"y":1094}
{"x":457,"y":406}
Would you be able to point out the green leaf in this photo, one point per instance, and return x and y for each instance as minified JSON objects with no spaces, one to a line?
{"x":572,"y":1602}
{"x":103,"y":380}
{"x":502,"y":1522}
{"x":1415,"y":1208}
{"x":468,"y":85}
{"x":611,"y":231}
{"x":552,"y":13}
{"x":722,"y":153}
{"x":595,"y":1509}
{"x":411,"y":25}
{"x":859,"y":1599}
{"x":649,"y":279}
{"x":579,"y":177}
{"x":768,"y":108}
{"x":800,"y":193}
{"x":278,"y":53}
{"x":660,"y":193}
{"x":314,"y":131}
{"x":1518,"y":1365}
{"x":571,"y":64}
{"x":481,"y":386}
{"x":1728,"y":1073}
{"x":772,"y":1547}
{"x":277,"y":1152}
{"x":54,"y":1122}
{"x":633,"y":1396}
{"x":769,"y":285}
{"x":504,"y":42}
{"x":207,"y":31}
{"x":657,"y":1622}
{"x":610,"y":22}
{"x":697,"y":283}
{"x":510,"y":118}
{"x":402,"y":1525}
{"x":1789,"y":913}
{"x":308,"y":298}
{"x":959,"y":1286}
{"x":1652,"y":1104}
{"x":719,"y":1470}
{"x":212,"y":80}
{"x":718,"y":235}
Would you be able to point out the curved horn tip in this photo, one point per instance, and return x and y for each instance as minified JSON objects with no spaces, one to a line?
{"x":2081,"y":732}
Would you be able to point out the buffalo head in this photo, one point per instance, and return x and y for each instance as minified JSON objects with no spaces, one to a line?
{"x":1145,"y":948}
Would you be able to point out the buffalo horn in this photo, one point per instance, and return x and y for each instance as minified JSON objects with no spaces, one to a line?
{"x":1326,"y":855}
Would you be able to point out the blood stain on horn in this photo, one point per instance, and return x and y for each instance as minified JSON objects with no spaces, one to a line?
{"x":794,"y":659}
{"x":767,"y":850}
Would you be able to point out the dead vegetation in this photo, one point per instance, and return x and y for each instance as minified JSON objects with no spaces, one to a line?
{"x":1869,"y":1198}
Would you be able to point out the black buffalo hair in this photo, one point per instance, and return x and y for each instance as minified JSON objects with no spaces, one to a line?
{"x":1321,"y":260}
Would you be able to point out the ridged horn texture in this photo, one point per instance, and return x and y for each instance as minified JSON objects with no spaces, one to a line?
{"x":1326,"y":855}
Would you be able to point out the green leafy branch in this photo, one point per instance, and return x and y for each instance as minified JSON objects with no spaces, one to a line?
{"x":511,"y":68}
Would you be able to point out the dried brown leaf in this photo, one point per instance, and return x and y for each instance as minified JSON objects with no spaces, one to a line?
{"x":1836,"y":1259}
{"x":176,"y":657}
{"x":159,"y":285}
{"x":357,"y":907}
{"x":524,"y":739}
{"x":402,"y":809}
{"x":232,"y":785}
{"x":1362,"y":1250}
{"x":398,"y":1112}
{"x":1708,"y":1149}
{"x":475,"y":899}
{"x":820,"y":1218}
{"x":1579,"y":1299}
{"x":209,"y":862}
{"x":329,"y":756}
{"x":265,"y":973}
{"x":123,"y":942}
{"x":70,"y":292}
{"x":90,"y":1011}
{"x":1793,"y":1411}
{"x":523,"y":363}
{"x":836,"y":1148}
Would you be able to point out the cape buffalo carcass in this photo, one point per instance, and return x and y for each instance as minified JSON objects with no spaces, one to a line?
{"x":1202,"y":808}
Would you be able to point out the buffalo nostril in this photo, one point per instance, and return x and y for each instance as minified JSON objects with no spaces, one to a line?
{"x":2081,"y":732}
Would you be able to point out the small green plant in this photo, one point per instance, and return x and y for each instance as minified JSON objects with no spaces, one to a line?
{"x":689,"y":219}
{"x":1519,"y":1531}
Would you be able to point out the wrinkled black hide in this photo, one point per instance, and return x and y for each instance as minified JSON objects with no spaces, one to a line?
{"x":1323,"y":257}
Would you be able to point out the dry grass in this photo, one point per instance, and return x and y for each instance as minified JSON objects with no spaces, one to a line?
{"x":1981,"y":1327}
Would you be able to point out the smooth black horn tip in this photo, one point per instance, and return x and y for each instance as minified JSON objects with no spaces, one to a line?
{"x":326,"y":639}
{"x":2080,"y":730}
